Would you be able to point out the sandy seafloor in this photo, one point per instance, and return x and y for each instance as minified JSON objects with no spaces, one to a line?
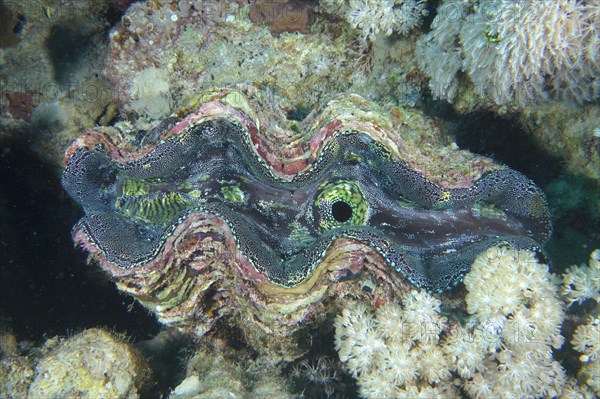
{"x":48,"y":290}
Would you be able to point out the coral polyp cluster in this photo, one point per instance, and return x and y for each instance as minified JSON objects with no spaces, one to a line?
{"x":394,"y":351}
{"x":520,"y":52}
{"x":374,"y":17}
{"x":503,"y":346}
{"x":587,"y":341}
{"x":582,"y":282}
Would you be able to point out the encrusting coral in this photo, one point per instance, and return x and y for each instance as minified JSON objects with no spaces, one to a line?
{"x":502,"y":348}
{"x":515,"y":51}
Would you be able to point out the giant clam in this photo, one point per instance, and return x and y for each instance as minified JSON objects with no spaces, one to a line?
{"x":223,"y":212}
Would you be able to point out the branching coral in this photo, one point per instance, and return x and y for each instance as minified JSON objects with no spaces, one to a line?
{"x":372,"y":17}
{"x":503,"y":348}
{"x":515,"y":51}
{"x":582,"y":282}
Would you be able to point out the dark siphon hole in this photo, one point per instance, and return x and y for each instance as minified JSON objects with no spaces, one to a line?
{"x":341,"y":211}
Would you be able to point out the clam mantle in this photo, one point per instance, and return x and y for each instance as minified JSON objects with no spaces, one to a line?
{"x":232,"y":210}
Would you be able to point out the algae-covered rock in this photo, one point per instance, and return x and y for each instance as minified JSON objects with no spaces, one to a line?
{"x":92,"y":364}
{"x":215,"y":374}
{"x":51,"y":81}
{"x":16,"y":373}
{"x":568,"y":131}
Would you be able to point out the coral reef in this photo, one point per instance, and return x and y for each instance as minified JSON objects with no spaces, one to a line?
{"x":91,"y":364}
{"x":51,"y":81}
{"x":215,"y":374}
{"x":502,"y":347}
{"x":196,"y":46}
{"x":372,"y":17}
{"x":58,"y":80}
{"x":205,"y":217}
{"x":253,"y":215}
{"x":569,"y":132}
{"x":582,"y":282}
{"x":587,"y":341}
{"x":515,"y":52}
{"x":283,"y":15}
{"x":191,"y":47}
{"x":16,"y":371}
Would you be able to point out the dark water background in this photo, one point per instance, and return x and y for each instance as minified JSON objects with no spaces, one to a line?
{"x":46,"y":287}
